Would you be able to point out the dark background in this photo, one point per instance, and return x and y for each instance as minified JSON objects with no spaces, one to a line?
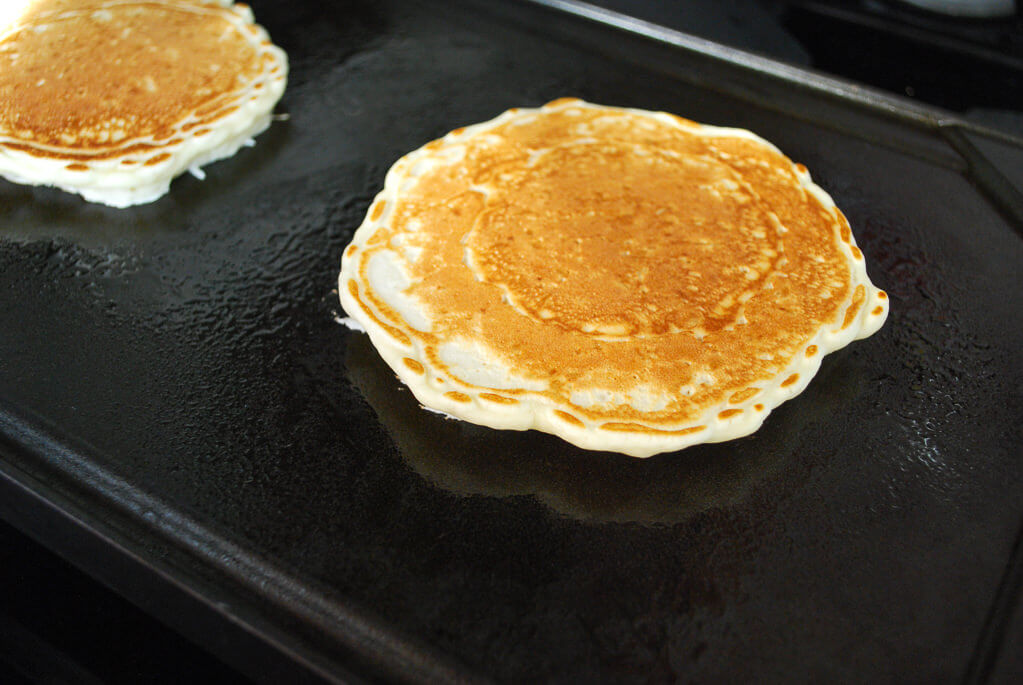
{"x":57,"y":625}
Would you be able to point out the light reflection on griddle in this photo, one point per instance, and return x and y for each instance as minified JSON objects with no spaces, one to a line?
{"x":33,"y":213}
{"x":473,"y":460}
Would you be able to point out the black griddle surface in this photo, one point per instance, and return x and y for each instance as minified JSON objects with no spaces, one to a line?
{"x":173,"y":382}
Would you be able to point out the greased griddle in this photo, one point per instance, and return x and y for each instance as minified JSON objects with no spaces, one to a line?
{"x":182,"y":415}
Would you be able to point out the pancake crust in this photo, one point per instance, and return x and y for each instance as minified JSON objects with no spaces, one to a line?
{"x":627,"y":280}
{"x":112,"y":99}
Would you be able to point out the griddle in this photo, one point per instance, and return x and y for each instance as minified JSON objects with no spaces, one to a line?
{"x":183,"y":417}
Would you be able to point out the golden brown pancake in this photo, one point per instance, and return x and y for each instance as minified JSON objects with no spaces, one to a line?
{"x":628,"y":280}
{"x":113,"y":99}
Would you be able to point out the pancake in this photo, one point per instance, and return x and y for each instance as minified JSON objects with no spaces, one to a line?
{"x":113,"y":99}
{"x":627,"y":280}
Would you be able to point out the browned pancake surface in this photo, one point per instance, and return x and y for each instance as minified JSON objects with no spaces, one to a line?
{"x":86,"y":79}
{"x":631,"y":253}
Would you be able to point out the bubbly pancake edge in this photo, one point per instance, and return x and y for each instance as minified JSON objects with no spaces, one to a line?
{"x":861,"y":313}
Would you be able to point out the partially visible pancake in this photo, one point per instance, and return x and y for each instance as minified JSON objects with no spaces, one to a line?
{"x":628,"y":280}
{"x":112,"y":99}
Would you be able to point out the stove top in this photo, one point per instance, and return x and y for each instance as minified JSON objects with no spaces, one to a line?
{"x":967,"y":65}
